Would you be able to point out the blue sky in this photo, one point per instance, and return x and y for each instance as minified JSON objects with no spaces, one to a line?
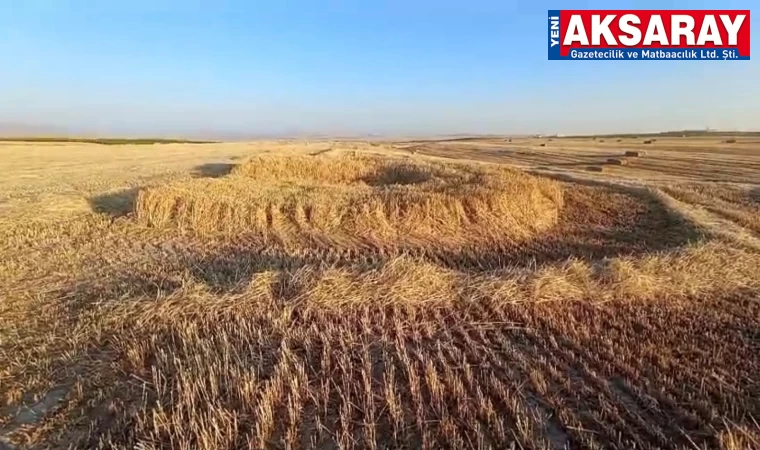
{"x":195,"y":68}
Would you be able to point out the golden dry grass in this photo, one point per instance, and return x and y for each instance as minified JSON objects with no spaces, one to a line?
{"x":670,"y":160}
{"x":359,"y":200}
{"x":520,"y":312}
{"x":734,"y":202}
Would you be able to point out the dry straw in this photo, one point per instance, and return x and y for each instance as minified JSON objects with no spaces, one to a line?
{"x":359,"y":200}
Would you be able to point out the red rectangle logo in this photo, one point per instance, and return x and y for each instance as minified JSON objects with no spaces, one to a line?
{"x":637,"y":34}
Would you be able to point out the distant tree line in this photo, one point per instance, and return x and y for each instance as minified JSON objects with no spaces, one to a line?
{"x":105,"y":141}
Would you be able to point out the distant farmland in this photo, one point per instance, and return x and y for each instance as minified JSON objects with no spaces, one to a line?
{"x":487,"y":293}
{"x":102,"y":141}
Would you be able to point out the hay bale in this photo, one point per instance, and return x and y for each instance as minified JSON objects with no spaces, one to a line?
{"x":649,"y":141}
{"x":595,"y":168}
{"x":730,"y":141}
{"x":635,"y":153}
{"x":619,"y":140}
{"x":617,"y":162}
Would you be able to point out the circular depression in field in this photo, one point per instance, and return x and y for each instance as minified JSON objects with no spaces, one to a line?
{"x":355,"y":200}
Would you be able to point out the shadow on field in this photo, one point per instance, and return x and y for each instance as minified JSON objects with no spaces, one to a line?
{"x":223,"y":271}
{"x":189,"y":341}
{"x":596,"y":222}
{"x":116,"y":204}
{"x":754,"y":194}
{"x":398,"y":174}
{"x":213,"y":170}
{"x":231,"y":270}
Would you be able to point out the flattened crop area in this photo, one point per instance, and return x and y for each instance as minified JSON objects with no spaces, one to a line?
{"x":360,"y":202}
{"x":356,"y":302}
{"x":738,"y":204}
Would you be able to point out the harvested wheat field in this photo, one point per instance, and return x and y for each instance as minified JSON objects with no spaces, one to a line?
{"x":370,"y":202}
{"x":346,"y":295}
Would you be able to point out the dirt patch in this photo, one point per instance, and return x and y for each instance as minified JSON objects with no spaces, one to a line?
{"x":213,"y":170}
{"x":30,"y":413}
{"x":116,"y":204}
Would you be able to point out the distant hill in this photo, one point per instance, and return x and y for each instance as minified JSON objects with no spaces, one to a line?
{"x":676,"y":133}
{"x":8,"y":129}
{"x":105,"y":141}
{"x":41,"y":133}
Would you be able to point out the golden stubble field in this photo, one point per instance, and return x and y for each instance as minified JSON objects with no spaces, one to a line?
{"x":480,"y":293}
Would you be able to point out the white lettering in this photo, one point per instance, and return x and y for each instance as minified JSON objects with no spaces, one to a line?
{"x":554,"y":35}
{"x":681,"y":25}
{"x":626,"y":26}
{"x":682,"y":31}
{"x":655,"y":31}
{"x":732,"y":27}
{"x":575,"y":32}
{"x":709,"y":32}
{"x":601,"y":28}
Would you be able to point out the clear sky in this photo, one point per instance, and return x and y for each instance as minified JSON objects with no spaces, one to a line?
{"x":242,"y":68}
